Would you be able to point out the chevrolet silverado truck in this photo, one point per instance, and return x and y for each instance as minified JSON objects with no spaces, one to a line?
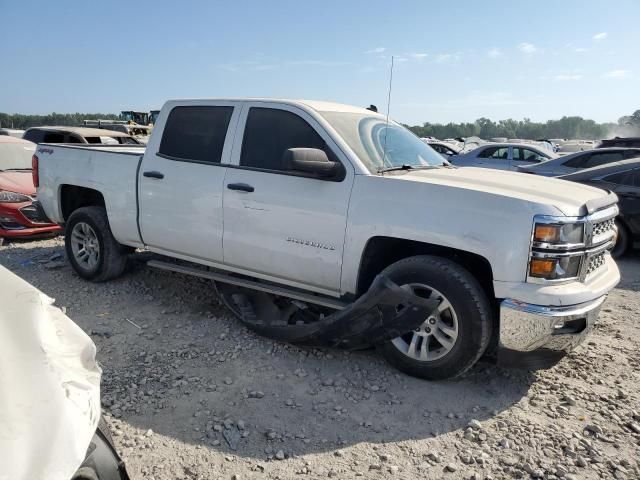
{"x":327,"y":224}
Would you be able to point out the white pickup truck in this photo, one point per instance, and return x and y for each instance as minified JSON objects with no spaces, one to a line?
{"x":328,"y":224}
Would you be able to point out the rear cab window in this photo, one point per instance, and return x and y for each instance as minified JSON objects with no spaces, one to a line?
{"x":196,"y":133}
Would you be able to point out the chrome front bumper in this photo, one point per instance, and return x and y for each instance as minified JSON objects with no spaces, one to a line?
{"x":535,"y":336}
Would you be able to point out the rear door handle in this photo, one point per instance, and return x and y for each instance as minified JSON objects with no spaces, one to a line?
{"x":242,"y":187}
{"x":154,"y":174}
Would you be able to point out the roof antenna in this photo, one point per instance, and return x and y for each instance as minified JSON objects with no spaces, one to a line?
{"x":384,"y":148}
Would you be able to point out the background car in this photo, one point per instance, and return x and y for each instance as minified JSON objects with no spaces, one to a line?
{"x":20,"y":214}
{"x":623,"y":178}
{"x":11,"y":132}
{"x":502,"y":156}
{"x":443,"y":148}
{"x":78,"y":135}
{"x":580,"y":160}
{"x":626,"y":142}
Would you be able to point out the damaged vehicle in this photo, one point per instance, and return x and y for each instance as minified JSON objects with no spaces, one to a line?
{"x":327,"y":224}
{"x":50,"y":425}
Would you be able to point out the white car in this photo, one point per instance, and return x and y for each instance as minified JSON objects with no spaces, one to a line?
{"x":327,"y":224}
{"x":502,"y":156}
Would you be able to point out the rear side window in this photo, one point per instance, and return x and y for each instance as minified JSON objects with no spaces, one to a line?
{"x":196,"y":133}
{"x":271,"y":132}
{"x":577,"y":162}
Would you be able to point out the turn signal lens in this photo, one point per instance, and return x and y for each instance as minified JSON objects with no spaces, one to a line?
{"x":547,"y":233}
{"x":559,"y":234}
{"x":542,"y":267}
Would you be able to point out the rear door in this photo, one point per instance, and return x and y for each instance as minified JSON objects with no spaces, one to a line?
{"x":181,"y":180}
{"x":280,"y":224}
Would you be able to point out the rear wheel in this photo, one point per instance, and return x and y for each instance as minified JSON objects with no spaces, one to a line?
{"x":91,"y":248}
{"x":455,"y":335}
{"x":623,"y":241}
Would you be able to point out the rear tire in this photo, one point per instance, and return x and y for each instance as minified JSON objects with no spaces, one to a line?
{"x":450,"y":341}
{"x":92,"y":250}
{"x":623,"y":241}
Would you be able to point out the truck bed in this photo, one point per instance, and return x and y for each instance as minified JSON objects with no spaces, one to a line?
{"x":111,"y":170}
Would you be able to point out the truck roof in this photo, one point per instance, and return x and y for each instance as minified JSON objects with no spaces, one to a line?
{"x":318,"y":105}
{"x":84,"y":131}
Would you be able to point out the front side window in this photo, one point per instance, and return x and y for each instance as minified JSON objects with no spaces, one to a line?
{"x":597,"y":159}
{"x":269,"y":133}
{"x":498,"y":153}
{"x":528,"y":155}
{"x":195,"y":133}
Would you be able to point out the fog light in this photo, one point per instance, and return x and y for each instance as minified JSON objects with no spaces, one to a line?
{"x":555,"y":268}
{"x":542,"y":267}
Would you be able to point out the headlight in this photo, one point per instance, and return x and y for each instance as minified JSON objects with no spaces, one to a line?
{"x":555,"y":268}
{"x":559,"y":234}
{"x":13,"y":197}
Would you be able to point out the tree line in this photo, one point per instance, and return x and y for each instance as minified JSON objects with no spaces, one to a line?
{"x":566,"y":127}
{"x":20,"y":121}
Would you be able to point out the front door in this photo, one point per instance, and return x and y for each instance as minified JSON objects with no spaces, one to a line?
{"x":280,"y":224}
{"x":522,"y":156}
{"x":182,"y":180}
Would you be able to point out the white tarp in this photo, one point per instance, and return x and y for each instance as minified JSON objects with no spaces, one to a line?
{"x":49,"y":386}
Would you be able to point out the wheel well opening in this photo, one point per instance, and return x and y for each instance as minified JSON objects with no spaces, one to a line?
{"x":73,"y":197}
{"x":381,"y":252}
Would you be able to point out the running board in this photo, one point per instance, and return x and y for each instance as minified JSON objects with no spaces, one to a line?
{"x":249,"y":283}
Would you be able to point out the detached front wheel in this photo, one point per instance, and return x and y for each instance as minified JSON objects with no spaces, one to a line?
{"x":456,"y":334}
{"x":91,"y":248}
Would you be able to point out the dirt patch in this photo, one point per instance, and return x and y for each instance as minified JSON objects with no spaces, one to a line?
{"x":192,"y":394}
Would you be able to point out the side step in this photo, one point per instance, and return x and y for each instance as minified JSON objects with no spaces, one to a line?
{"x":250,"y":283}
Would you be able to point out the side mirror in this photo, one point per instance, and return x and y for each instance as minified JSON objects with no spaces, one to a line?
{"x":310,"y":160}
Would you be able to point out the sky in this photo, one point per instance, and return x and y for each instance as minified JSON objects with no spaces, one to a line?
{"x":454,"y":61}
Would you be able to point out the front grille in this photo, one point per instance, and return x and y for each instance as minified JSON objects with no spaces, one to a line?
{"x":595,"y":262}
{"x":604,"y":227}
{"x":35,"y":213}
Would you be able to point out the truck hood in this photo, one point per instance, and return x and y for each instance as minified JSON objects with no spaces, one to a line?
{"x":19,"y":182}
{"x":568,"y":197}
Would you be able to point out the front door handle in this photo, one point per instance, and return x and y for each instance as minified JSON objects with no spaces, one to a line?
{"x":242,"y":187}
{"x":154,"y":174}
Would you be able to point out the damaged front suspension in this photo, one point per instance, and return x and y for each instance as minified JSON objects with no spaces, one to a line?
{"x":384,"y":312}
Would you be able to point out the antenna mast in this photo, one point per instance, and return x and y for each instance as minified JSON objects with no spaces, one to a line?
{"x":384,"y":149}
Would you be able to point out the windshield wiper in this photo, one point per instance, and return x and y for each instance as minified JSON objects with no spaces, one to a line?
{"x":15,"y":169}
{"x":405,"y":166}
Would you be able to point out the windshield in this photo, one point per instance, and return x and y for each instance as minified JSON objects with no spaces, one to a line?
{"x":380,"y":145}
{"x":16,"y":156}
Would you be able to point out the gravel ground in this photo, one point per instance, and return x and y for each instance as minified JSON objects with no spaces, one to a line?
{"x":191,"y":394}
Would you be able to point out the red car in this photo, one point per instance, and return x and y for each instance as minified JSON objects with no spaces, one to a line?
{"x":20,"y":214}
